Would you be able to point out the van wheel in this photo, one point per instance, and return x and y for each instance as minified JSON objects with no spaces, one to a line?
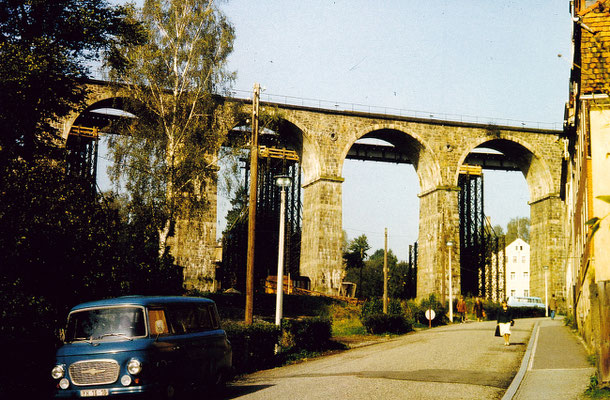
{"x":170,"y":392}
{"x":218,"y":380}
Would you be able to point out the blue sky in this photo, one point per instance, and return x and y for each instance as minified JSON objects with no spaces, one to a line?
{"x":497,"y":59}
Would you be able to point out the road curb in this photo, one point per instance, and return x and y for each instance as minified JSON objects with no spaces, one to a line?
{"x":514,"y":386}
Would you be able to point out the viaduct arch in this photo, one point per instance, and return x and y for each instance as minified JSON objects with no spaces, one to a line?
{"x":437,"y":149}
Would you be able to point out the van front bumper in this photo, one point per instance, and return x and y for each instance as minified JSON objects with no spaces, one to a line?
{"x":94,"y":392}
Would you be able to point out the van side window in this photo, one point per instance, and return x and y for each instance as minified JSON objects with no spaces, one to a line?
{"x":191,"y":319}
{"x":205,"y":321}
{"x":157,"y":322}
{"x":214,"y":316}
{"x":179,"y":319}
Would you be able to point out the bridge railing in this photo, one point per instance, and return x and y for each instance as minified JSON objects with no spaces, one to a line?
{"x":391,"y":111}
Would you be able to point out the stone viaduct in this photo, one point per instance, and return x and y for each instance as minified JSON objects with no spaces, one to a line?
{"x":436,"y":149}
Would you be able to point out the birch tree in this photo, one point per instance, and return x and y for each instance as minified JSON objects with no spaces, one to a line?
{"x":166,"y":155}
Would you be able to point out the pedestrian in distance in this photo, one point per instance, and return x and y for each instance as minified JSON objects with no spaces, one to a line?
{"x":505,"y":321}
{"x":553,"y":306}
{"x":461,"y":308}
{"x":479,"y":312}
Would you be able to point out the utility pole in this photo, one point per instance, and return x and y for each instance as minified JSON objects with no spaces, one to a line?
{"x":252,"y":207}
{"x":361,"y":266}
{"x":385,"y":273}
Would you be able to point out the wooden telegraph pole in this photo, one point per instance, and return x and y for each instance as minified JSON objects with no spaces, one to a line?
{"x":252,"y":207}
{"x":385,"y":273}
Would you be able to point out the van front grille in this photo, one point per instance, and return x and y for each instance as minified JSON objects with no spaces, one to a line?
{"x":94,"y":372}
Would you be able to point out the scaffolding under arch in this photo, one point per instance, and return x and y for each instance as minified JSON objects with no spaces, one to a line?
{"x":482,"y":254}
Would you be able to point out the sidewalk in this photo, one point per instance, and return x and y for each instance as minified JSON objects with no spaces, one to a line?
{"x":555,"y":365}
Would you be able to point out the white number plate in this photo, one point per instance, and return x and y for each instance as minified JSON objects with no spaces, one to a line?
{"x":94,"y":392}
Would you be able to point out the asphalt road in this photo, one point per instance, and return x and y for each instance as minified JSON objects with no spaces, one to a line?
{"x":461,"y":361}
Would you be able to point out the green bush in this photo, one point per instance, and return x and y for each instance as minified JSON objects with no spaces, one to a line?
{"x":570,"y":321}
{"x":231,"y":306}
{"x":253,"y":345}
{"x":439,"y":309}
{"x":375,"y":306}
{"x":411,"y":308}
{"x":387,"y":323}
{"x":311,"y":334}
{"x":492,"y":309}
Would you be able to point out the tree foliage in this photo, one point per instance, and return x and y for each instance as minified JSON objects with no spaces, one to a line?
{"x":372,"y":274}
{"x":518,"y":227}
{"x":401,"y":281}
{"x":354,"y":257}
{"x":60,"y":246}
{"x":356,"y":252}
{"x":45,"y":48}
{"x":170,"y":152}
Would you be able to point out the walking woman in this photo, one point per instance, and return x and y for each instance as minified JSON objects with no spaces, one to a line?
{"x":505,"y":320}
{"x":478,"y":309}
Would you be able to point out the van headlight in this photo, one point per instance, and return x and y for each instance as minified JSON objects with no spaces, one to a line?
{"x":134,"y":366}
{"x":58,"y":372}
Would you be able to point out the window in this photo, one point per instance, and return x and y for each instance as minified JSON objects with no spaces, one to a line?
{"x":526,"y":275}
{"x":105,"y":323}
{"x":526,"y":292}
{"x":191,"y":319}
{"x":158,"y":323}
{"x":512,"y":292}
{"x":523,"y":259}
{"x":512,"y":276}
{"x":514,"y":259}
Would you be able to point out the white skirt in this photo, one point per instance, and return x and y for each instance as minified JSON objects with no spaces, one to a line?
{"x":504,"y":328}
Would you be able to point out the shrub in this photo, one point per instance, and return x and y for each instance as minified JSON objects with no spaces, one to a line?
{"x":390,"y":323}
{"x":439,"y":309}
{"x":375,"y":306}
{"x":492,"y":309}
{"x":346,"y":320}
{"x":570,"y":321}
{"x":231,"y":305}
{"x":311,"y":334}
{"x":411,"y":309}
{"x":253,"y":345}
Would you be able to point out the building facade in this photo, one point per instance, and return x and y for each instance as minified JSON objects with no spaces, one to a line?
{"x":518,"y":268}
{"x":585,"y":177}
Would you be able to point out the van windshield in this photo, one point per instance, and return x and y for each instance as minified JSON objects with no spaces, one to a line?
{"x":112,"y":323}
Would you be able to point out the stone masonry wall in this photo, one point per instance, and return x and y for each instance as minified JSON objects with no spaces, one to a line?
{"x":194,"y":246}
{"x":321,"y":258}
{"x":436,"y":149}
{"x":547,"y":248}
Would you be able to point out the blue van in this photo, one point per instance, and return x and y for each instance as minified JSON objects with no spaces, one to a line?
{"x":139,"y":344}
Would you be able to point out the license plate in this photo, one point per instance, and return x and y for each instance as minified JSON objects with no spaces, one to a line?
{"x":93,"y":392}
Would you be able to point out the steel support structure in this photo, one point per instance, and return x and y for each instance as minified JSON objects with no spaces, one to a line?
{"x":472,"y":255}
{"x":482,"y":257}
{"x":272,"y":162}
{"x":81,"y":160}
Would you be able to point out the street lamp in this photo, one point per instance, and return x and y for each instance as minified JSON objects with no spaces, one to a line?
{"x":283,"y":181}
{"x":449,"y":246}
{"x":546,"y":291}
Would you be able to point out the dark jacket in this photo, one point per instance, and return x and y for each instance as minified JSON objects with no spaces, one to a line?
{"x":505,"y":316}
